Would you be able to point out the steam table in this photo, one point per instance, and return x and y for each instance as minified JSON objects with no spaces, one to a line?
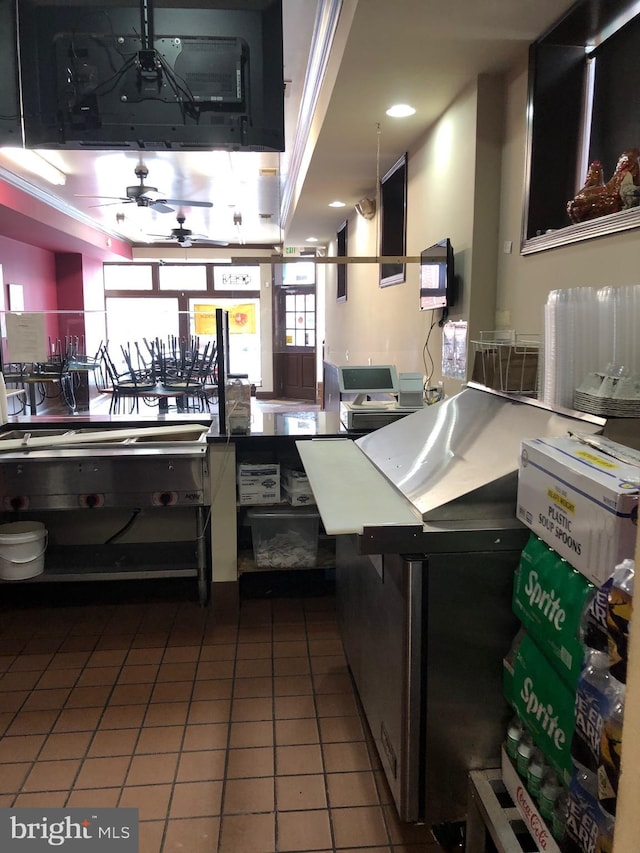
{"x":93,"y":494}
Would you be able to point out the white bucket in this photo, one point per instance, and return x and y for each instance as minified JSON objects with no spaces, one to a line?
{"x":22,"y":547}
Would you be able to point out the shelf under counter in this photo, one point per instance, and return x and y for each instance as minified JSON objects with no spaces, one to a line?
{"x":326,"y":560}
{"x":116,"y":562}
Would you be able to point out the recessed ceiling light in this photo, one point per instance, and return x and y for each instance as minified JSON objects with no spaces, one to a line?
{"x":337,"y":204}
{"x":400,"y":111}
{"x":311,"y":239}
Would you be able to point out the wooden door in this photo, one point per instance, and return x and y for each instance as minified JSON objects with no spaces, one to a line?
{"x":295,"y":343}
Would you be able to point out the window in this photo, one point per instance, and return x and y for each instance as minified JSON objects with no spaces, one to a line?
{"x":131,"y":319}
{"x":127,"y":276}
{"x":393,"y":221}
{"x":299,"y":272}
{"x":182,"y":277}
{"x":300,"y":319}
{"x":341,"y":272}
{"x":244,"y":331}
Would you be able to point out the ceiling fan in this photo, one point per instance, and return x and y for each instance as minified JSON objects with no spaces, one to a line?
{"x":185,"y":237}
{"x":143,"y":196}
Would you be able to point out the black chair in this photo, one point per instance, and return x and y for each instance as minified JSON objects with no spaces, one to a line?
{"x":123,"y":385}
{"x":191,"y":375}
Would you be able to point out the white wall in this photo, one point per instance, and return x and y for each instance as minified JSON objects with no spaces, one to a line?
{"x":525,"y":281}
{"x":453,"y":191}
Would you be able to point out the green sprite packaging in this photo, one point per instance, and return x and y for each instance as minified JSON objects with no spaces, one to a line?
{"x":543,"y":702}
{"x":549,"y":598}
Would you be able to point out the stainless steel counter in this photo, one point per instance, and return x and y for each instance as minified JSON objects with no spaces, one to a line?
{"x":91,"y":487}
{"x":428,"y":543}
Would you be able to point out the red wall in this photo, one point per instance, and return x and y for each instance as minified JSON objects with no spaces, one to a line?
{"x":70,"y":302}
{"x":35,"y":270}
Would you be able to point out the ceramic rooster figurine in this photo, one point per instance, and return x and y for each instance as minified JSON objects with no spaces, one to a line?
{"x":597,"y":199}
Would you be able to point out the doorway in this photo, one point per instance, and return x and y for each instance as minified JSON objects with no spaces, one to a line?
{"x":294,"y":354}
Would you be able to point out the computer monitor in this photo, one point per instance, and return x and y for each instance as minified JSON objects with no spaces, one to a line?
{"x":363,"y":380}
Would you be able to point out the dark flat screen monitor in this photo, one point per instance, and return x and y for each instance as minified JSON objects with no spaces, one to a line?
{"x":10,"y":124}
{"x":161,"y":76}
{"x":363,"y":380}
{"x":436,"y":276}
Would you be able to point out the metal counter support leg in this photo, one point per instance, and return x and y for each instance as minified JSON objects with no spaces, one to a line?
{"x":485,"y":814}
{"x":202,"y":533}
{"x":475,"y":839}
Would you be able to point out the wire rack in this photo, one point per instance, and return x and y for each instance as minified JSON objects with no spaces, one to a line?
{"x":507,"y":360}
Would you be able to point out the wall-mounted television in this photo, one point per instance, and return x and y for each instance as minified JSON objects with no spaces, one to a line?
{"x":10,"y":124}
{"x":158,"y":75}
{"x":436,"y":276}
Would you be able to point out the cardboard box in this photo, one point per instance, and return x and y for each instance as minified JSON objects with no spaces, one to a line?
{"x":298,"y":498}
{"x":296,"y":488}
{"x":581,"y":501}
{"x":258,"y":483}
{"x":538,"y":829}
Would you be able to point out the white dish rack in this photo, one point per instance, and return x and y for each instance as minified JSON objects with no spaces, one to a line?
{"x":507,"y":361}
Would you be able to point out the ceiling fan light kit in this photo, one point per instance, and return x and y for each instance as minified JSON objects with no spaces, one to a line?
{"x":185,"y":236}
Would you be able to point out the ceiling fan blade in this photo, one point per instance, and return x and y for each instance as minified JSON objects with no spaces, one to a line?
{"x":112,"y":203}
{"x":211,"y":242}
{"x":161,"y":206}
{"x":183,"y":203}
{"x":113,"y":197}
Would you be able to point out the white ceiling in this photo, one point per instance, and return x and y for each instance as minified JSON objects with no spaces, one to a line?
{"x":423,"y":52}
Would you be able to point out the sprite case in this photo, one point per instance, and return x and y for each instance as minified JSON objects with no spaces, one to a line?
{"x":543,"y":702}
{"x":549,"y":597}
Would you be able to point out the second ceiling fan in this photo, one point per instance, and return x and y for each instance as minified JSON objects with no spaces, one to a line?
{"x":185,"y":236}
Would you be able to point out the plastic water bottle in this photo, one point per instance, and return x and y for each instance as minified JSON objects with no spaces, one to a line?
{"x":619,"y":610}
{"x":550,"y":790}
{"x":515,"y":730}
{"x":593,"y":696}
{"x":559,"y":816}
{"x":535,"y":772}
{"x":610,"y":751}
{"x":525,"y":748}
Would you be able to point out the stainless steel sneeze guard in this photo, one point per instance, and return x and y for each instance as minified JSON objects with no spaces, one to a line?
{"x":455,"y":460}
{"x":451,"y":449}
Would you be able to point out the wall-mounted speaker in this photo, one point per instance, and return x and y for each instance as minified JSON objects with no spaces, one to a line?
{"x":366,"y":208}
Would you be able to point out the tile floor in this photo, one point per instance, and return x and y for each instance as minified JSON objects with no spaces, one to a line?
{"x":235,"y":734}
